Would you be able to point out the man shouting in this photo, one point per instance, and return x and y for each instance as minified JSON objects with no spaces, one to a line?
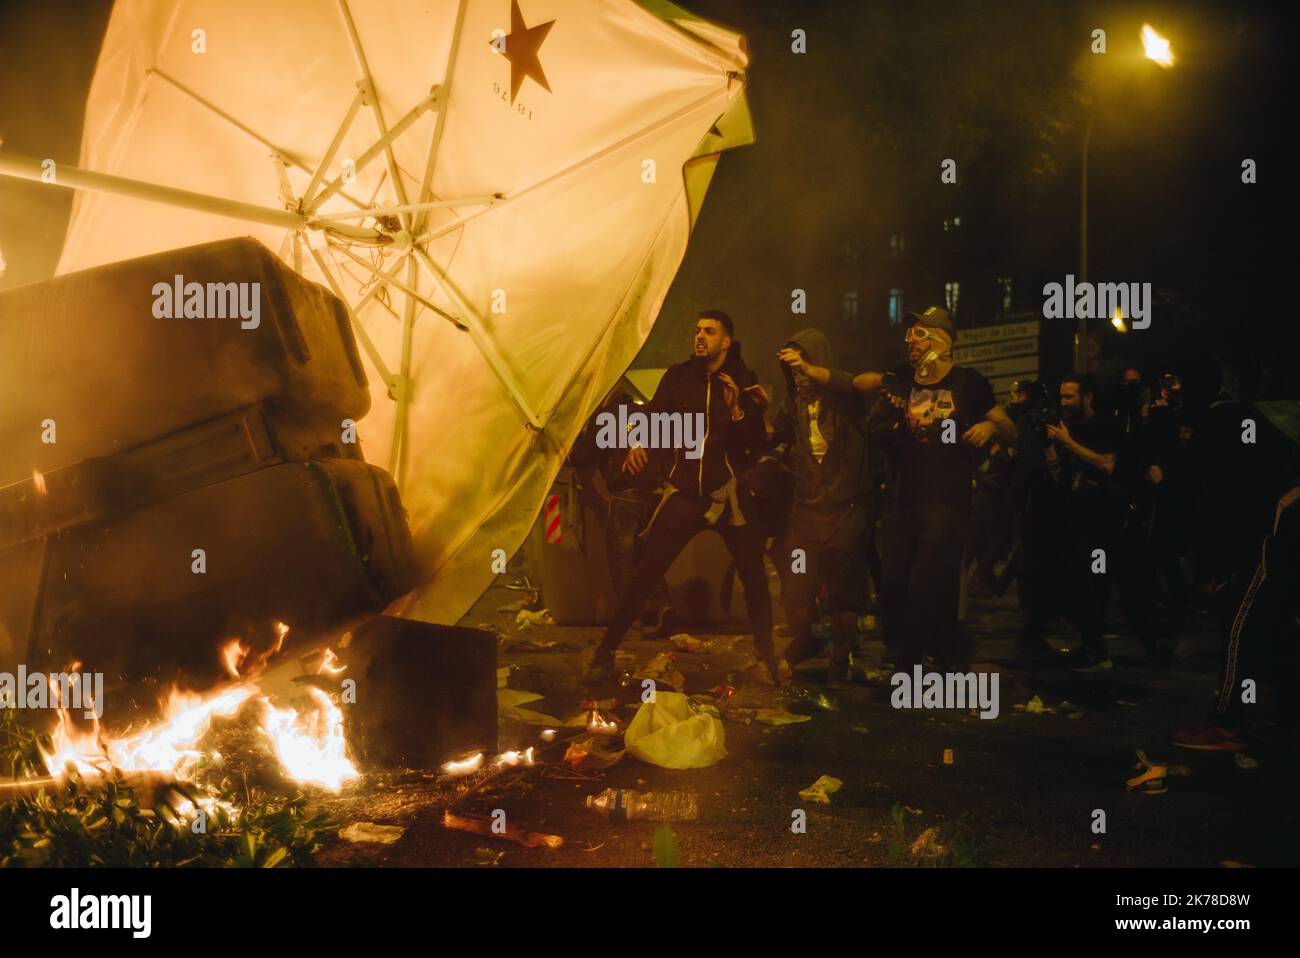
{"x":700,"y":492}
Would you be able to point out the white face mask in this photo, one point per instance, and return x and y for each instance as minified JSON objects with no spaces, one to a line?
{"x":925,"y":367}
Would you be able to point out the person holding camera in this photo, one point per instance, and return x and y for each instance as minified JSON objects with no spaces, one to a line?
{"x":1074,"y":524}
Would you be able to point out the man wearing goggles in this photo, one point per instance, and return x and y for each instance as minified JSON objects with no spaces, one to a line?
{"x":948,"y":414}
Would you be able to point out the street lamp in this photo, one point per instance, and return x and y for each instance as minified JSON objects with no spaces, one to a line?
{"x":1156,"y":49}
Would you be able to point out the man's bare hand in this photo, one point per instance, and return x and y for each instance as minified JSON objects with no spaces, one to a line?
{"x":791,"y":357}
{"x":636,"y":460}
{"x":1059,"y":433}
{"x":979,"y":434}
{"x":757,"y":393}
{"x":730,"y":394}
{"x":1155,"y":475}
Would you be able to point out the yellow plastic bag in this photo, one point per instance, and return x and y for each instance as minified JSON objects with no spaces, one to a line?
{"x":674,"y":732}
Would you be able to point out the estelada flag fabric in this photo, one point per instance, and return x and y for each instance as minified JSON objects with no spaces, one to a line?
{"x":567,"y":145}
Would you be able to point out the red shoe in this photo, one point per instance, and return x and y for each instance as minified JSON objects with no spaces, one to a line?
{"x":1209,"y":737}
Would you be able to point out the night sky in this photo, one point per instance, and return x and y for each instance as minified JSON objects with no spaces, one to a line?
{"x":850,"y":136}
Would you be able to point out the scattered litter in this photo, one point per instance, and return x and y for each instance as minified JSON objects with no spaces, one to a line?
{"x":947,"y":756}
{"x":674,"y":732}
{"x":914,"y":811}
{"x":1150,"y":779}
{"x":510,"y":700}
{"x":821,"y":790}
{"x":483,"y":826}
{"x":859,"y":728}
{"x":526,"y":619}
{"x":1245,"y":762}
{"x":926,"y":843}
{"x":588,"y":752}
{"x":486,"y":856}
{"x":874,"y":676}
{"x":690,"y":644}
{"x":1034,"y":706}
{"x":779,"y":717}
{"x":371,"y":832}
{"x":516,"y":606}
{"x":825,"y":702}
{"x":1122,"y":702}
{"x":593,"y":848}
{"x":661,"y":670}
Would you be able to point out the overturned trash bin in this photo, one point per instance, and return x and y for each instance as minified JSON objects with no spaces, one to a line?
{"x":173,"y":480}
{"x":423,"y":692}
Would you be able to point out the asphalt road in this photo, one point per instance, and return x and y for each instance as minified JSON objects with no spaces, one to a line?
{"x":1023,"y":789}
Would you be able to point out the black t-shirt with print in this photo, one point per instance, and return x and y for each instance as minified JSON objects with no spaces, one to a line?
{"x":925,"y":468}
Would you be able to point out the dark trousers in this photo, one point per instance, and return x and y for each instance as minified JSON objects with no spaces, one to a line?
{"x":629,"y":510}
{"x":922,"y":566}
{"x":678,"y":522}
{"x":1134,"y":575}
{"x":1061,"y":569}
{"x":833,"y":544}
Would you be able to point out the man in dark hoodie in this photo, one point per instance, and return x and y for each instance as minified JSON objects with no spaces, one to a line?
{"x":823,"y":429}
{"x":700,"y":487}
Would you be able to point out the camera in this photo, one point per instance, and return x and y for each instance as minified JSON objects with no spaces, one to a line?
{"x":1040,"y":411}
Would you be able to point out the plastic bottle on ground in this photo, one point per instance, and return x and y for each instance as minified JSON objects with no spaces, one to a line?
{"x":625,"y":804}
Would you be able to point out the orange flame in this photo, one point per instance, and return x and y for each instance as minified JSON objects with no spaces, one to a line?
{"x":308,"y":743}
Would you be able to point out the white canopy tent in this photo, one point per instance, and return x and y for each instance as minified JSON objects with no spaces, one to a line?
{"x":501,"y":190}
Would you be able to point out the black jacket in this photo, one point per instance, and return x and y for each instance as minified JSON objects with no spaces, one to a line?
{"x":729,"y":447}
{"x":842,"y":475}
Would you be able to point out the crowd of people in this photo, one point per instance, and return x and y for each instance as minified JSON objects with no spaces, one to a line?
{"x":901,"y":491}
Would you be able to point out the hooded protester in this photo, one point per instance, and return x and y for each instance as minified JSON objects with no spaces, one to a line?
{"x":715,"y":389}
{"x":822,"y":427}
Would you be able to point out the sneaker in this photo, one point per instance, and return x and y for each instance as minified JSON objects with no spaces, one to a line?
{"x":1084,"y":659}
{"x":778,"y":670}
{"x":839,"y":676}
{"x":1209,"y":737}
{"x":666,"y":622}
{"x":600,"y":670}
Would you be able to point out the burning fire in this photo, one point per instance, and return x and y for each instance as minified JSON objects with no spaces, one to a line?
{"x":464,"y":766}
{"x":309,"y":744}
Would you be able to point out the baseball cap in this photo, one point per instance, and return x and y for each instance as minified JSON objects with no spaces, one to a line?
{"x":934,"y":316}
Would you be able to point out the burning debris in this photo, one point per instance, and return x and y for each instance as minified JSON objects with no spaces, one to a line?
{"x":214,"y":762}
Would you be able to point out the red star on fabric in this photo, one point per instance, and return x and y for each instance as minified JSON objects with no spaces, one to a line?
{"x":522,"y":44}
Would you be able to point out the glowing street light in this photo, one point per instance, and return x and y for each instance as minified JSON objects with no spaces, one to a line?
{"x":1155,"y":47}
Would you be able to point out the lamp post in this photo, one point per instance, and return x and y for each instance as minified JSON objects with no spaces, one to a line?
{"x":1156,"y":49}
